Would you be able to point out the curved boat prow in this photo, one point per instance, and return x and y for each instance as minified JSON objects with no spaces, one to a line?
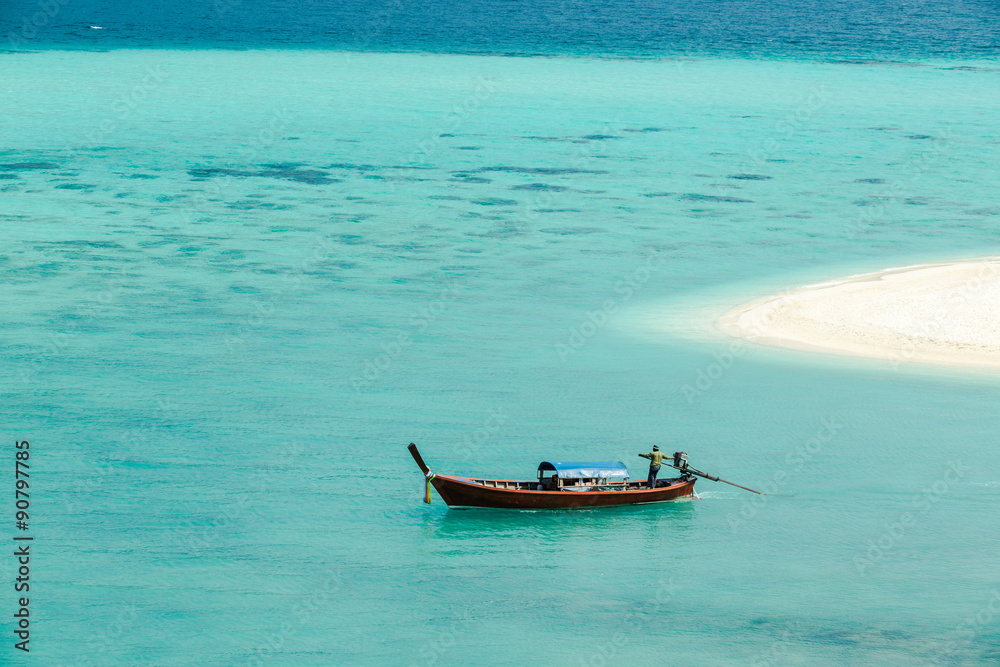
{"x":416,"y":457}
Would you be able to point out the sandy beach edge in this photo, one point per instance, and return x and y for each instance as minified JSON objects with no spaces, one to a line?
{"x":771,"y":321}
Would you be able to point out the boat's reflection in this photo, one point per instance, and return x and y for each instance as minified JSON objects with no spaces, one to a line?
{"x":603,"y":524}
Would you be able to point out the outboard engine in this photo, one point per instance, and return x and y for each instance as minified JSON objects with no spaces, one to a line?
{"x":681,"y":461}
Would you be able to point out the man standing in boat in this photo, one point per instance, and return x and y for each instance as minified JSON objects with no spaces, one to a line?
{"x":655,"y":459}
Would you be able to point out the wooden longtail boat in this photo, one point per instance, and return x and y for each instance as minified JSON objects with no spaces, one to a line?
{"x":569,"y":485}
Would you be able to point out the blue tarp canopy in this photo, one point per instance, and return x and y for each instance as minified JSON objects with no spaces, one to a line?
{"x":585,"y":469}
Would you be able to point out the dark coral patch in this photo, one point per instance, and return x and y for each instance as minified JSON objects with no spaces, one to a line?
{"x":893,"y":63}
{"x":494,"y":201}
{"x":967,"y":68}
{"x":254,"y":204}
{"x":749,"y":177}
{"x":568,"y":231}
{"x":570,"y":140}
{"x":540,"y":187}
{"x":218,"y":171}
{"x":349,"y":166}
{"x":715,"y":198}
{"x":288,"y":171}
{"x":27,"y":166}
{"x":293,"y":173}
{"x":547,"y":171}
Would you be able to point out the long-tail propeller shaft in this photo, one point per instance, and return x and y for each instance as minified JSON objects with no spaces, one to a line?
{"x":681,"y":463}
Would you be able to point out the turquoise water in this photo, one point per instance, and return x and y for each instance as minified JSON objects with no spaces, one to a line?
{"x":237,"y":284}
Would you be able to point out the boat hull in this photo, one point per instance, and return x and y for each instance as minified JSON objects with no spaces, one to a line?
{"x":464,"y":492}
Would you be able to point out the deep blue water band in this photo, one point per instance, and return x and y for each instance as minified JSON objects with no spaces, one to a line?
{"x":615,"y":28}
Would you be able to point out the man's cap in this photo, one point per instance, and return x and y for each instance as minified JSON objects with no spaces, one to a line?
{"x":655,"y":448}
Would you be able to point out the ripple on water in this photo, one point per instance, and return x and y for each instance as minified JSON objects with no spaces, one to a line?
{"x":716,"y":198}
{"x":462,"y":178}
{"x":569,"y":231}
{"x":569,"y":140}
{"x":539,"y":187}
{"x":288,"y":172}
{"x":494,"y":201}
{"x":548,"y":171}
{"x":28,"y":166}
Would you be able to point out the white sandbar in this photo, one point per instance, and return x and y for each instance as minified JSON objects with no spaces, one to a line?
{"x":931,"y":313}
